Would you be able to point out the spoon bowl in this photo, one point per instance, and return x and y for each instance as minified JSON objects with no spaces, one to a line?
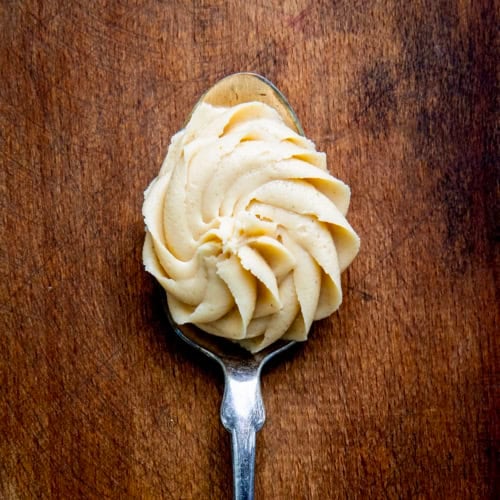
{"x":242,"y":409}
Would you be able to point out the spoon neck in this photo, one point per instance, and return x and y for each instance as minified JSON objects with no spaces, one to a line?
{"x":242,"y":414}
{"x":242,"y":405}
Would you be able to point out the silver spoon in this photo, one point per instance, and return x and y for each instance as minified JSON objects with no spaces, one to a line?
{"x":242,"y":410}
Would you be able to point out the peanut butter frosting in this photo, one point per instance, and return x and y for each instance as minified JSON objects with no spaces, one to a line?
{"x":246,"y":228}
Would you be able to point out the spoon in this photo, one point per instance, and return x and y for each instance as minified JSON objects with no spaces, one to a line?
{"x":242,"y":409}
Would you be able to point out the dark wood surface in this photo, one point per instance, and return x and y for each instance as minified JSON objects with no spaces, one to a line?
{"x":392,"y":397}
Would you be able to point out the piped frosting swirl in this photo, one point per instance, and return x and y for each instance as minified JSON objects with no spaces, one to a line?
{"x":246,"y":228}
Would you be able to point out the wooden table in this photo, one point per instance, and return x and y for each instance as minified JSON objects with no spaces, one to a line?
{"x":393,"y":396}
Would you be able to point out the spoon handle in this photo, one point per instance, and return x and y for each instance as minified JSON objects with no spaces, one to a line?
{"x":242,"y":414}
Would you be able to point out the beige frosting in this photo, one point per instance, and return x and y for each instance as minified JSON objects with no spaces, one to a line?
{"x":245,"y":227}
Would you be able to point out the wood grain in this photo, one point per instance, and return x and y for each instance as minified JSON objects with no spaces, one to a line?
{"x":394,"y":396}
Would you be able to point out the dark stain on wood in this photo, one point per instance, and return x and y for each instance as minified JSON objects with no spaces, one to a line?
{"x":377,"y":100}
